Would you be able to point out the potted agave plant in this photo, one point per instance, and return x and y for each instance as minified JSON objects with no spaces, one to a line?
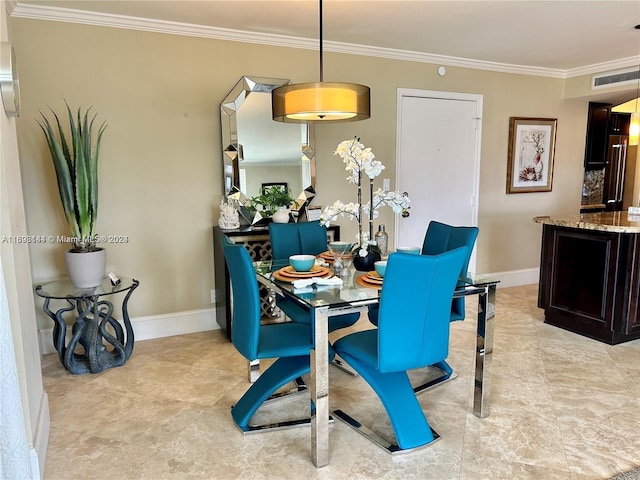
{"x":76,"y":167}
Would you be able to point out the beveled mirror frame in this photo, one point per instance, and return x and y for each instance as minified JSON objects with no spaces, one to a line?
{"x":232,"y":153}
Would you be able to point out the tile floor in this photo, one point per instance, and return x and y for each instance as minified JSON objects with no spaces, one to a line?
{"x":562,"y":407}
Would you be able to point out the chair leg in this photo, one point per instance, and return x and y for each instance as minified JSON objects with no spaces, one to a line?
{"x":281,"y":372}
{"x":344,"y":366}
{"x":407,"y":419}
{"x":253,"y":370}
{"x":253,"y":373}
{"x":300,"y":387}
{"x":446,"y":375}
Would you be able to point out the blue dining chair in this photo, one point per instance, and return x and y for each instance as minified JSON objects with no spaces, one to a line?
{"x":413,"y":332}
{"x":441,"y":238}
{"x":305,"y":238}
{"x":288,"y":239}
{"x":289,"y":342}
{"x":308,"y":238}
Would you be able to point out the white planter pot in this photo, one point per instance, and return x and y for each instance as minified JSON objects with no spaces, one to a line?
{"x":281,"y":215}
{"x":86,"y":269}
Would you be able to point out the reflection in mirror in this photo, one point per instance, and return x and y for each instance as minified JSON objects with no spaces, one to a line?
{"x":256,"y":149}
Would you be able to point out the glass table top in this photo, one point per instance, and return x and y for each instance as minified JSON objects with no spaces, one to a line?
{"x":351,"y":292}
{"x":65,"y":289}
{"x":323,"y":295}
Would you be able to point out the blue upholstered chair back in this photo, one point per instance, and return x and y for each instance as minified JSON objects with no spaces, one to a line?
{"x":415,"y":308}
{"x":309,"y":238}
{"x":246,"y":299}
{"x":441,"y":238}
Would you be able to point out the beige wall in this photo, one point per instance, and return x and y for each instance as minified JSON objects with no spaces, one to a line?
{"x":15,"y":270}
{"x":160,"y":170}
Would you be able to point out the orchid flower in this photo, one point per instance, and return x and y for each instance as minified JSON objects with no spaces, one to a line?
{"x":358,"y":158}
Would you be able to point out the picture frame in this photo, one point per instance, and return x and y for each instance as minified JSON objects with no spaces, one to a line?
{"x":313,"y":213}
{"x":281,"y":185}
{"x":532,"y":143}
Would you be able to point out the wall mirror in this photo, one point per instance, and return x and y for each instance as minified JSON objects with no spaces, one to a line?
{"x":258,"y":150}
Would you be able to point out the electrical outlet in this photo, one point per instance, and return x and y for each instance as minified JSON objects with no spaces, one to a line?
{"x":386,"y":184}
{"x":213,"y":296}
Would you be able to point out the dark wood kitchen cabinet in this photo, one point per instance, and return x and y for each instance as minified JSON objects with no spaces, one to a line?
{"x":590,"y":282}
{"x":619,"y":123}
{"x":595,"y":154}
{"x":601,"y":123}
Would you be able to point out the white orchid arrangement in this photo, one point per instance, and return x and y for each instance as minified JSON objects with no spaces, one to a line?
{"x":358,"y":159}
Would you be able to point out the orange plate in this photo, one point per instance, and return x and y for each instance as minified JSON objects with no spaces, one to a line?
{"x":315,"y":271}
{"x":278,"y":275}
{"x":326,"y":255}
{"x":373,"y":276}
{"x":362,"y":280}
{"x":329,"y":256}
{"x":286,"y":276}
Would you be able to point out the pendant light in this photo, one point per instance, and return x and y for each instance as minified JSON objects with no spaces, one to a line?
{"x":320,"y":101}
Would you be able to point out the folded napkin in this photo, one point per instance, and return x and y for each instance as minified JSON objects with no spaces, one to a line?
{"x":307,"y":282}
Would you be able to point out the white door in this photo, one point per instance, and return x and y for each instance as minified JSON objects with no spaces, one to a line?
{"x":437,"y":161}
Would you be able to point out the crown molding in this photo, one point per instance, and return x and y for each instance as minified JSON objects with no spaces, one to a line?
{"x":604,"y":67}
{"x":411,"y":56}
{"x":43,"y":12}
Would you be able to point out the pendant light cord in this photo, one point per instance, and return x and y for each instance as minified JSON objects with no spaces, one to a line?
{"x":321,"y":53}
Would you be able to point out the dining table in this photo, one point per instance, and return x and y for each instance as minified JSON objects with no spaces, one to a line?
{"x":356,"y":294}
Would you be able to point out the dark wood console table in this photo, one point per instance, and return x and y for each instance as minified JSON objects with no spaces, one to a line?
{"x":256,"y":240}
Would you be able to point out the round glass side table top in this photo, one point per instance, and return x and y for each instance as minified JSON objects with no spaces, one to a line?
{"x":65,"y":289}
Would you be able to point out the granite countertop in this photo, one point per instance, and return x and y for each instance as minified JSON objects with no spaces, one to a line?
{"x":617,"y":222}
{"x":592,"y":206}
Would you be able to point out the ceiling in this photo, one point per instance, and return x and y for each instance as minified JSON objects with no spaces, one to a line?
{"x":565,"y":37}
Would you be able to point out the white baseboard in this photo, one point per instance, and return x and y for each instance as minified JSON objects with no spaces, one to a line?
{"x":36,"y":472}
{"x":516,"y":278}
{"x":154,"y":326}
{"x":170,"y":324}
{"x":38,"y":454}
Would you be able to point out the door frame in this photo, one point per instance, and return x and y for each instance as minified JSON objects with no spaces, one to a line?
{"x":455,"y":96}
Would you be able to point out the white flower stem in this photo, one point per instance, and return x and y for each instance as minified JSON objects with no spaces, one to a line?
{"x":360,"y":209}
{"x":371,"y":209}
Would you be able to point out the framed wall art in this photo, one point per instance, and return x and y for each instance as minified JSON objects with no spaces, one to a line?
{"x":532,"y":143}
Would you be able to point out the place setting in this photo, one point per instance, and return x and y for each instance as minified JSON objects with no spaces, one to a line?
{"x":304,"y":272}
{"x":301,"y":267}
{"x":374,"y":278}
